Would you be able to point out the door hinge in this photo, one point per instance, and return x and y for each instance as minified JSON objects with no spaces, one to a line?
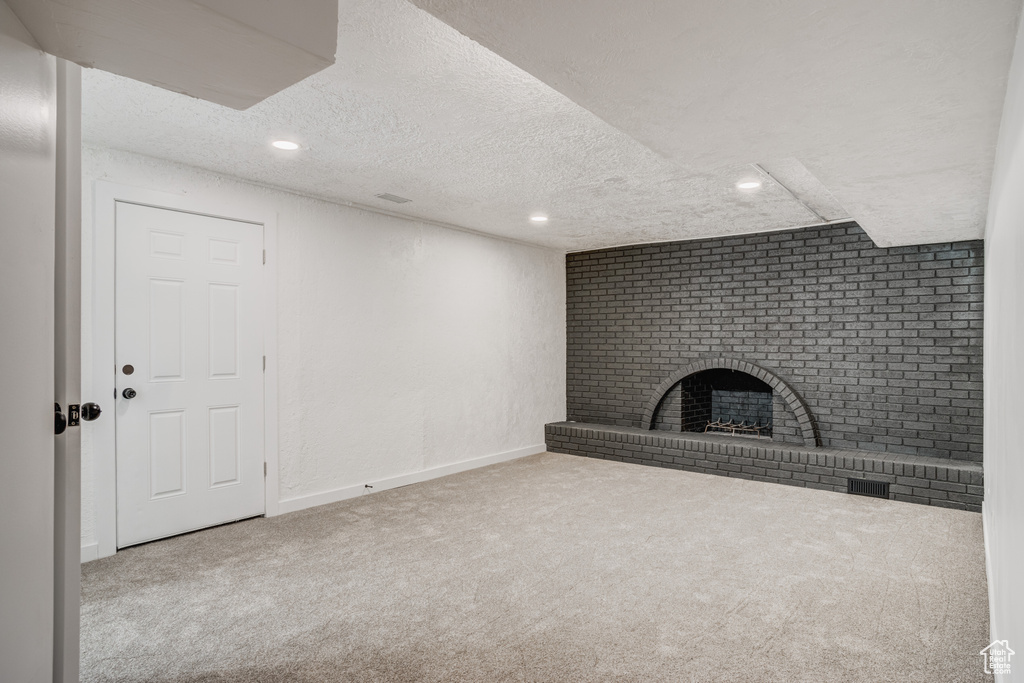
{"x":264,"y":470}
{"x":264,"y":257}
{"x":264,"y":363}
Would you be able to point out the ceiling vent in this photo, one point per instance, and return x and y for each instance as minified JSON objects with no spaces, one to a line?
{"x":392,"y":198}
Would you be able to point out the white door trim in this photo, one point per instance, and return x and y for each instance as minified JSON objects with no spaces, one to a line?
{"x":102,"y":367}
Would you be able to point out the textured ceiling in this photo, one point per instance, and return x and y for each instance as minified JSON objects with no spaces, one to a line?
{"x":414,"y":108}
{"x":893,"y":106}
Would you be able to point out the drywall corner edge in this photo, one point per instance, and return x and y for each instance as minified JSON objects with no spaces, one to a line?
{"x":992,"y":636}
{"x":90,"y":552}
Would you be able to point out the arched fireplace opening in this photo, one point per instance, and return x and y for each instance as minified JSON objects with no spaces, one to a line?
{"x":730,"y":401}
{"x":742,"y":395}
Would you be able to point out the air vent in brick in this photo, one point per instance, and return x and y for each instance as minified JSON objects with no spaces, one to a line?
{"x":866,"y":487}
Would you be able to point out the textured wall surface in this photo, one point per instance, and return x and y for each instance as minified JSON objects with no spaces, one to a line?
{"x":1004,"y":374}
{"x":402,"y":346}
{"x":884,"y":345}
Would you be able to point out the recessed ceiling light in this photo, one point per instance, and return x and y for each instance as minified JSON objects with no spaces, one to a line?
{"x":748,"y":184}
{"x":285,"y":144}
{"x":538,"y":219}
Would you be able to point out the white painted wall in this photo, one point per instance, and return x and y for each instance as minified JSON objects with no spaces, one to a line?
{"x":28,"y":170}
{"x":403,"y":347}
{"x":1004,"y":374}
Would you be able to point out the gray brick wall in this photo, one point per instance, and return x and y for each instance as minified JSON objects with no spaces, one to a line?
{"x":670,"y":413}
{"x":884,"y":345}
{"x":741,"y":406}
{"x":784,"y":424}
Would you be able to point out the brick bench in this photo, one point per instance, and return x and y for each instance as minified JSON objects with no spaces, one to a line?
{"x":911,"y":478}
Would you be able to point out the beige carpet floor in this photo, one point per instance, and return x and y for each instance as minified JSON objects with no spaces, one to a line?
{"x":553,"y":568}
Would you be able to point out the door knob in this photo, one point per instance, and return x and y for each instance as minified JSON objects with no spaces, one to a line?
{"x":90,"y":411}
{"x":128,"y":393}
{"x":60,"y":421}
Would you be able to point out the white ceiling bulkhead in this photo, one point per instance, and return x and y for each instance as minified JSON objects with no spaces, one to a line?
{"x":232,"y":52}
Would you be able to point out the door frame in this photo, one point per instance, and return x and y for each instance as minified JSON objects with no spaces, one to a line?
{"x":68,"y":375}
{"x":103,"y":367}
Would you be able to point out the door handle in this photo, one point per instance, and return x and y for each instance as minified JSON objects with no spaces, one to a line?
{"x":87,"y":412}
{"x":60,"y":421}
{"x":90,"y":411}
{"x":129,"y":393}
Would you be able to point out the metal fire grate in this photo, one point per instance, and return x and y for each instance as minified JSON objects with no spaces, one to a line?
{"x":866,"y":487}
{"x":742,"y":428}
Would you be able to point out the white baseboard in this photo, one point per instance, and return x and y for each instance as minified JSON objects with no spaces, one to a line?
{"x":90,"y":552}
{"x":335,"y":495}
{"x":992,"y":636}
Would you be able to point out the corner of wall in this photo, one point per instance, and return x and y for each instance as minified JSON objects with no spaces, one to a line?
{"x":1003,"y":512}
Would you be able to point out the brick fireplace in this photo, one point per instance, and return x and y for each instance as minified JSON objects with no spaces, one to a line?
{"x":842,"y":347}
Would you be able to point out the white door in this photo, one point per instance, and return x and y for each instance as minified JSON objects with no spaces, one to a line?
{"x":189,"y":367}
{"x":27,"y":206}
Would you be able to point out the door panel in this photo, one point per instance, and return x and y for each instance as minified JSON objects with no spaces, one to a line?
{"x":167,"y":454}
{"x":225,"y":455}
{"x":27,"y":214}
{"x":189,"y":323}
{"x":166,"y":330}
{"x":223,"y":331}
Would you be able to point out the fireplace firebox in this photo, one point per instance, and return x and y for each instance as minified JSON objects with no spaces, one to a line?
{"x":722,"y":400}
{"x":730,"y":395}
